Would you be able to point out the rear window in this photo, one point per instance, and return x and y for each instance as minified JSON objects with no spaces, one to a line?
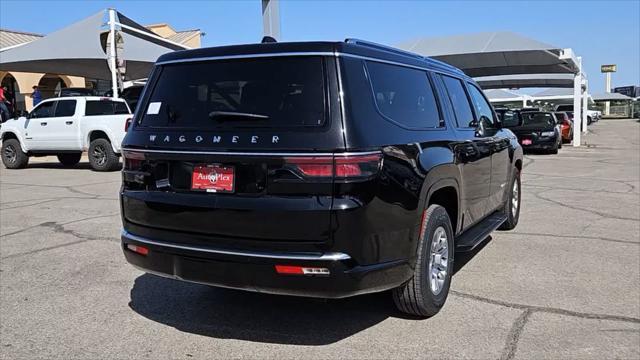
{"x":257,"y":93}
{"x":105,"y":107}
{"x":533,"y":119}
{"x":404,"y":95}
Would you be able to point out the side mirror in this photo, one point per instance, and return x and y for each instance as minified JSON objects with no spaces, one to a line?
{"x":480,"y":127}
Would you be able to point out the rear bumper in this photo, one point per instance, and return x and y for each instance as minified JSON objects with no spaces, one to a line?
{"x":542,"y":143}
{"x":255,"y":271}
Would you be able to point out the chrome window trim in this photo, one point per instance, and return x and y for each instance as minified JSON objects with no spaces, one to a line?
{"x":317,"y":53}
{"x":248,"y":56}
{"x":232,"y":153}
{"x":334,"y":256}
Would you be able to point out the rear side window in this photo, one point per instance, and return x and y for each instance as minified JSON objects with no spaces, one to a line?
{"x":65,"y":108}
{"x":459,"y":101}
{"x":257,"y":93}
{"x":120,"y":108}
{"x":404,"y":95}
{"x":509,"y":119}
{"x":105,"y":107}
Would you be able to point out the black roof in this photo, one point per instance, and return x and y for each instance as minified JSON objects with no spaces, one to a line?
{"x":350,"y":46}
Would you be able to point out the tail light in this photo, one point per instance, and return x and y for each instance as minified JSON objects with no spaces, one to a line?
{"x":127,"y":123}
{"x":132,"y":160}
{"x":337,"y":165}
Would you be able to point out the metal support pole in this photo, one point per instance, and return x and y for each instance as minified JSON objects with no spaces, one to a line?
{"x":577,"y":99}
{"x":112,"y":52}
{"x":271,"y":18}
{"x":585,"y":106}
{"x":607,"y":89}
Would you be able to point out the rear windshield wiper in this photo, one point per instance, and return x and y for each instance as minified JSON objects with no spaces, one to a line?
{"x":233,"y":115}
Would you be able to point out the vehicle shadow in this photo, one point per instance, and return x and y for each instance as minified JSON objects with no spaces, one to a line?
{"x":56,"y":165}
{"x":462,"y":258}
{"x":233,"y":314}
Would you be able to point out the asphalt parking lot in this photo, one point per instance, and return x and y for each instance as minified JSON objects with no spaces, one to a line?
{"x":564,"y":284}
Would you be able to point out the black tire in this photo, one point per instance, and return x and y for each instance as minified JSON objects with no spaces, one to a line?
{"x":416,"y":297}
{"x":102,"y":157}
{"x":12,"y":155}
{"x":69,"y":160}
{"x":560,"y":143}
{"x":589,"y":120}
{"x":508,"y":209}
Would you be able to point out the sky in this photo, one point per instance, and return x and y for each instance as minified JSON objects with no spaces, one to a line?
{"x":602,"y":32}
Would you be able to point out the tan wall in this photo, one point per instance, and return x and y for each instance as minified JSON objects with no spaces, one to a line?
{"x":193,"y":42}
{"x":27,"y":80}
{"x":162,"y":30}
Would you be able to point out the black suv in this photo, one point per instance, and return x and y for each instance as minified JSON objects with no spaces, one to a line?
{"x":321,"y":169}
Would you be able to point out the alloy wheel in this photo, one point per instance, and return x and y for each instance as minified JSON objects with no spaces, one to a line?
{"x":10,"y":154}
{"x":515,"y":198}
{"x":99,"y":153}
{"x":438,"y":260}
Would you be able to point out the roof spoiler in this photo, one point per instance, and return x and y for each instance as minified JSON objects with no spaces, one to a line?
{"x":268,"y":39}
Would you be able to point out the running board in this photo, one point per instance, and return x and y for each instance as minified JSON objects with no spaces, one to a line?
{"x":474,"y":236}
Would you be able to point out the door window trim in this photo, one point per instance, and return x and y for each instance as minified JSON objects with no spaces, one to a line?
{"x":475,"y":111}
{"x":453,"y":110}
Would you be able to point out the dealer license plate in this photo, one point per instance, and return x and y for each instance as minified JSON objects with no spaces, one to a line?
{"x":213,"y":178}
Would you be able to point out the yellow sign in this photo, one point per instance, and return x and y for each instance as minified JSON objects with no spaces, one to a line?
{"x":608,"y":68}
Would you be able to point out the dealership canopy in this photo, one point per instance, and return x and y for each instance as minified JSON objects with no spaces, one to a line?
{"x":81,"y":50}
{"x":525,"y":81}
{"x":611,"y":97}
{"x":495,"y":53}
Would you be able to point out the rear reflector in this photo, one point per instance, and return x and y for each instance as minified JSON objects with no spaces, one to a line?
{"x":138,"y":249}
{"x":300,"y":270}
{"x":340,"y":166}
{"x":423,"y":225}
{"x":127,"y":123}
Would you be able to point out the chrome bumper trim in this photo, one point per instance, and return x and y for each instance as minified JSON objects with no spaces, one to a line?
{"x":266,"y":255}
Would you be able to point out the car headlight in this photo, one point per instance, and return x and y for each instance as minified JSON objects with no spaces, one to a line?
{"x":547,"y":133}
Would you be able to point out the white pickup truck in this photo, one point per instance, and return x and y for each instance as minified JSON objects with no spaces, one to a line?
{"x":66,"y":127}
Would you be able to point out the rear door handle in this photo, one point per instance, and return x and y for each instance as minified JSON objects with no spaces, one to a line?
{"x":69,"y":122}
{"x":43,"y":124}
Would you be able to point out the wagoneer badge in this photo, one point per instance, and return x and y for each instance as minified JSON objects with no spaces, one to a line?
{"x":217,"y":139}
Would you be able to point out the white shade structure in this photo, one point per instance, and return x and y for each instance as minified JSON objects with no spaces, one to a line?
{"x":80,"y":49}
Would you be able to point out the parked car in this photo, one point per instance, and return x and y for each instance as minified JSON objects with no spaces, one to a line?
{"x":66,"y":127}
{"x":566,"y":126}
{"x":592,"y":115}
{"x":75,"y":91}
{"x":536,"y":130}
{"x":320,"y":169}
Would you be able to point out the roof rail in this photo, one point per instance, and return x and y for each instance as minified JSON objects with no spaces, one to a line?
{"x":444,"y":65}
{"x":384,"y":48}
